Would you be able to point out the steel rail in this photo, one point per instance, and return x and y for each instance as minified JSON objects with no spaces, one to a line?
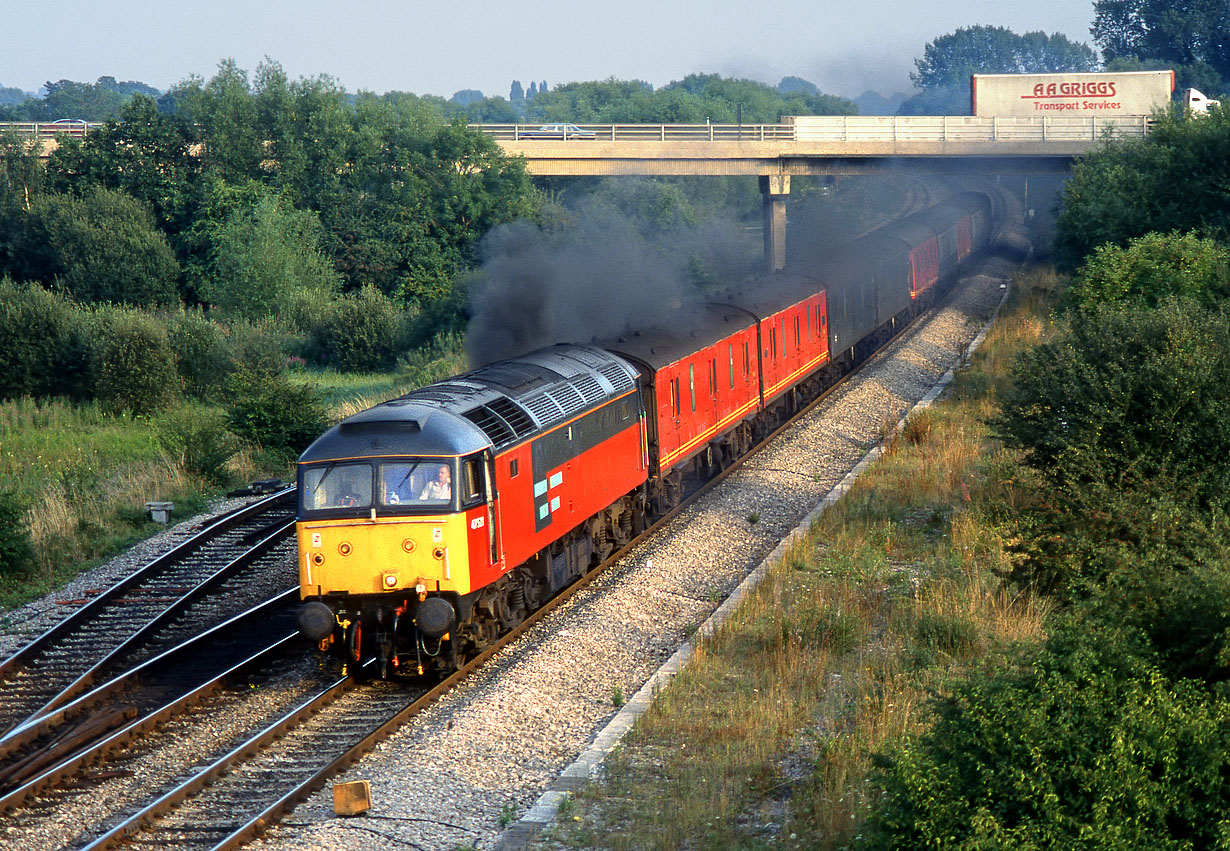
{"x":51,"y":769}
{"x":240,"y":562}
{"x":216,"y":527}
{"x":71,"y":653}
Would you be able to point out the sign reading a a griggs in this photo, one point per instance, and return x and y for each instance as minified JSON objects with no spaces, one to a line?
{"x":1127,"y":93}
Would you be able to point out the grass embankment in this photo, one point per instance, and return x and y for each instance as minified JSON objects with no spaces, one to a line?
{"x":766,"y":738}
{"x":86,"y":474}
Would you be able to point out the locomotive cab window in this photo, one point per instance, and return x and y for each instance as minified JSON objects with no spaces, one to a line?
{"x":337,"y":485}
{"x":472,"y":481}
{"x":404,"y":486}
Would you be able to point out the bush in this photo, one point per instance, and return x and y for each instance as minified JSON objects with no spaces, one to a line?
{"x":361,"y":333}
{"x":199,"y":438}
{"x":261,"y":346}
{"x":1174,"y":179}
{"x":1084,"y":744}
{"x":40,"y":342}
{"x":1070,"y":539}
{"x":103,"y":247}
{"x":132,"y":362}
{"x":1127,"y":396}
{"x":275,"y":413}
{"x":202,"y":354}
{"x":1152,"y":268}
{"x":16,"y":551}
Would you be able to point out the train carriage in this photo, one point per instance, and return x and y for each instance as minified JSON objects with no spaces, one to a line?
{"x":432,"y":523}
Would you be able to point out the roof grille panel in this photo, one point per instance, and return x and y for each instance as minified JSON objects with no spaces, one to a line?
{"x":591,"y":391}
{"x":568,"y":398}
{"x":492,"y":425}
{"x":544,"y":408}
{"x":617,"y":375}
{"x":513,"y":414}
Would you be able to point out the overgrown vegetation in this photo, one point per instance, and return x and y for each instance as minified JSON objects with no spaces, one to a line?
{"x":767,"y":737}
{"x":1023,"y":642}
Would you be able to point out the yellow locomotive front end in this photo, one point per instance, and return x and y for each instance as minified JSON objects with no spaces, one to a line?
{"x":392,"y":546}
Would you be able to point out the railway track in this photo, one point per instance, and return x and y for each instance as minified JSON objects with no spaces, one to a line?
{"x":52,"y":749}
{"x":237,"y":796}
{"x":264,"y":776}
{"x":126,"y":620}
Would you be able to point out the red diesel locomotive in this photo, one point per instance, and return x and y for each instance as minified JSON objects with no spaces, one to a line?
{"x":433,"y":522}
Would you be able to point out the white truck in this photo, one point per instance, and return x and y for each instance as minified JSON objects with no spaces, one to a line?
{"x":1092,"y":94}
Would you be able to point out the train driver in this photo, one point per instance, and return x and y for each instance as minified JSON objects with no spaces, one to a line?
{"x":439,"y":489}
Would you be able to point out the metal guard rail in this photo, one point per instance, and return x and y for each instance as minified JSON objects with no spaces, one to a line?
{"x":851,"y":128}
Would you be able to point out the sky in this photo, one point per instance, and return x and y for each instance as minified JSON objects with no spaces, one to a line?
{"x":845,"y":47}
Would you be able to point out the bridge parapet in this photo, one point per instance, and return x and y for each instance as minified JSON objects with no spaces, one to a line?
{"x":848,"y":128}
{"x":48,"y":129}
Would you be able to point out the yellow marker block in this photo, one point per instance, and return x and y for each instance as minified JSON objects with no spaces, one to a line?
{"x":352,"y":799}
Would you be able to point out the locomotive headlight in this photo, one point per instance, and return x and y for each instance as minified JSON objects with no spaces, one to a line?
{"x":390,"y":580}
{"x":343,"y":548}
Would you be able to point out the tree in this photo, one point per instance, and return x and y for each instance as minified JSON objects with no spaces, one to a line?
{"x":491,"y":111}
{"x":465,"y":97}
{"x":102,"y":247}
{"x":797,"y":84}
{"x":149,"y":155}
{"x":11,"y":96}
{"x":516,"y":94}
{"x":1192,"y":33}
{"x":1152,"y":268}
{"x":226,"y":112}
{"x":22,"y":178}
{"x":1174,"y":179}
{"x":949,"y":61}
{"x":69,"y":99}
{"x":263,"y":255}
{"x":694,"y":99}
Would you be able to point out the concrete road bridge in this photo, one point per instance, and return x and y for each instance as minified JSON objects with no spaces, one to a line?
{"x":815,"y":145}
{"x":800,"y":145}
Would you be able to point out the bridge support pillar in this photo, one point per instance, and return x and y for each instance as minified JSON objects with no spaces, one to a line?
{"x":776,"y":189}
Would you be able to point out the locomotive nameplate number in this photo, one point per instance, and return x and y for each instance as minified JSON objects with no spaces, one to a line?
{"x":316,"y":539}
{"x":478,"y":523}
{"x":437,"y":535}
